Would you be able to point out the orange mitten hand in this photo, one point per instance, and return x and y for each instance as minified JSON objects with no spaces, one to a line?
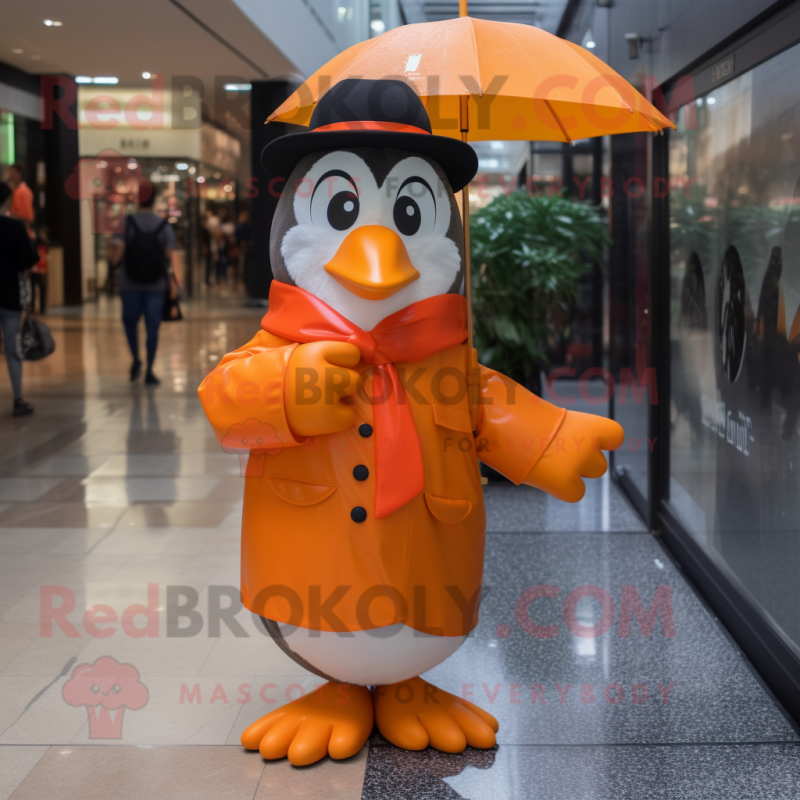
{"x":575,"y":453}
{"x":318,"y":377}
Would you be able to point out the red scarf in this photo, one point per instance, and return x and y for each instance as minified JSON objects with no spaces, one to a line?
{"x":412,"y":334}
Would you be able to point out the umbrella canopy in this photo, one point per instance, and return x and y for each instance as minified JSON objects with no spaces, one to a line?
{"x":490,"y":80}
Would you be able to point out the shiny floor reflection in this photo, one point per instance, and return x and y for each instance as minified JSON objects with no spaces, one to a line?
{"x":609,"y":677}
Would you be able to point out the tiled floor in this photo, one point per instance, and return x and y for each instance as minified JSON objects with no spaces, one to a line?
{"x":110,"y":492}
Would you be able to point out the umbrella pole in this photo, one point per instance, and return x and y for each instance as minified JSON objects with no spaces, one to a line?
{"x":464,"y":114}
{"x":473,"y":371}
{"x":467,"y":260}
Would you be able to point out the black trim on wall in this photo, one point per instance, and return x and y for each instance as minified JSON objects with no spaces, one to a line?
{"x":11,"y":76}
{"x":63,"y":212}
{"x":659,"y":424}
{"x":630,"y":158}
{"x":769,"y":654}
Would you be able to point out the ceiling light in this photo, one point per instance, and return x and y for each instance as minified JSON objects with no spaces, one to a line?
{"x":83,"y":79}
{"x":377,"y":26}
{"x":341,"y":13}
{"x":53,"y":23}
{"x":17,"y":50}
{"x":182,"y":165}
{"x":237,"y":87}
{"x":633,"y":40}
{"x":105,"y":80}
{"x":591,"y":45}
{"x":227,"y":187}
{"x":201,"y":179}
{"x":146,"y":76}
{"x":710,"y":101}
{"x":192,"y":170}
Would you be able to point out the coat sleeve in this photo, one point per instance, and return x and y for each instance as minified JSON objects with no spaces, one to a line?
{"x":515,"y":427}
{"x":243,"y":397}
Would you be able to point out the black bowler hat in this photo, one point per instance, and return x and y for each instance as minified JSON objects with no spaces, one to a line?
{"x":366,"y":113}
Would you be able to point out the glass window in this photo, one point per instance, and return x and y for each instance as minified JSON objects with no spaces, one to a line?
{"x":735,"y":333}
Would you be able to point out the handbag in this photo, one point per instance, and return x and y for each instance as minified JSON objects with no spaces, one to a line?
{"x":172,"y":310}
{"x":34,"y":340}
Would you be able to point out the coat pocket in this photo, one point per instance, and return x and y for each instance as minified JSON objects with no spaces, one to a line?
{"x":455,"y":417}
{"x":300,"y":493}
{"x":448,"y":509}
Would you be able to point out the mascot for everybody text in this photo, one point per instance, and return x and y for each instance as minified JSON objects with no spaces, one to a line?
{"x":363,"y":523}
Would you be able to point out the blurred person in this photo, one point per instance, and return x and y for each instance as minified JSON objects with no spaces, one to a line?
{"x":211,"y":227}
{"x":39,"y":275}
{"x":149,"y":245}
{"x":22,"y":197}
{"x":226,"y":230}
{"x":244,"y":240}
{"x":16,"y":257}
{"x":205,"y":246}
{"x":234,"y":253}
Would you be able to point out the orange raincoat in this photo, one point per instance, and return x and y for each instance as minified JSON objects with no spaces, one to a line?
{"x":304,"y":560}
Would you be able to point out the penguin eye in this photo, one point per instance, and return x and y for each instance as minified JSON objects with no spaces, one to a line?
{"x":407,"y":216}
{"x":335,"y":201}
{"x":415,"y":208}
{"x":343,"y":211}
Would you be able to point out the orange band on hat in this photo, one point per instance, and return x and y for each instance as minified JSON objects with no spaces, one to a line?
{"x":370,"y":125}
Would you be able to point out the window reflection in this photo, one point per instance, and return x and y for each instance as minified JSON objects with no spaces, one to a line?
{"x":735,"y":334}
{"x":731,"y":302}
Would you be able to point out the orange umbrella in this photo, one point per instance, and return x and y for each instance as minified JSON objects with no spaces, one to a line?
{"x":517,"y":81}
{"x":483,"y":80}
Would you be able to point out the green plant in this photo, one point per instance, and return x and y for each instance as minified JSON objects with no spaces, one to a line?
{"x":528,"y":256}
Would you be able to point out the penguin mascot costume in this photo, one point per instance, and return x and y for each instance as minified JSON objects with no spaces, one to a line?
{"x":363,"y":523}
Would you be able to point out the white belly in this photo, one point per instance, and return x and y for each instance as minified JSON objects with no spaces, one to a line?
{"x":371,"y":658}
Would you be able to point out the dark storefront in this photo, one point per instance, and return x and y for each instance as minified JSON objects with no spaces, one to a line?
{"x":704,"y":311}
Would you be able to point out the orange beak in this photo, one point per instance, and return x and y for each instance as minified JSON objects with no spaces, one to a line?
{"x":373,"y":263}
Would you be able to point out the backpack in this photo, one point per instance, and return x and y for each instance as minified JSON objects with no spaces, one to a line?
{"x":145,"y":256}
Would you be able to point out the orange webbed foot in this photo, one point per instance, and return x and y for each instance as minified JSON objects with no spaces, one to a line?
{"x":336,"y":720}
{"x":414,"y":714}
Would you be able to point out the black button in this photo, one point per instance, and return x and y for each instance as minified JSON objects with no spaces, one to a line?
{"x":365,"y":430}
{"x":360,"y":473}
{"x":358,"y":514}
